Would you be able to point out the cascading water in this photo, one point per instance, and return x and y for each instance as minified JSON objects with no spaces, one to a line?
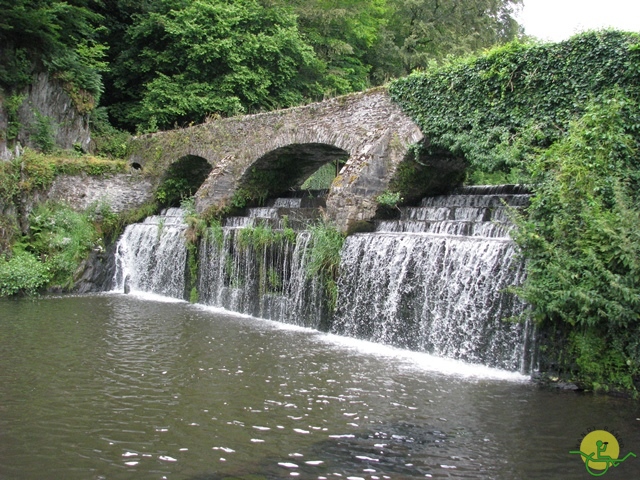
{"x":264,"y":277}
{"x":152,"y":256}
{"x":435,"y":281}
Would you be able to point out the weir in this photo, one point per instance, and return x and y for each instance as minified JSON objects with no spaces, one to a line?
{"x":266,"y":280}
{"x":152,"y":256}
{"x":433,"y":280}
{"x":436,"y":280}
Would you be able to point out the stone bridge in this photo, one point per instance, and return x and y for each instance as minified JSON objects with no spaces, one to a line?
{"x":367,"y":132}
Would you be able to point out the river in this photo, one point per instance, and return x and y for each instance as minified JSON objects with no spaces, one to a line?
{"x":125,"y":387}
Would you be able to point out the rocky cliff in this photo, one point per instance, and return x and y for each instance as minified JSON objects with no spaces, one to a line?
{"x":46,"y":114}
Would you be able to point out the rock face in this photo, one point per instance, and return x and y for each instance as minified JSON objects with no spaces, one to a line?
{"x":96,"y":273}
{"x":46,"y":102}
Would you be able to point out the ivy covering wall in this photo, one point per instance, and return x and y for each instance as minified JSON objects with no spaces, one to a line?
{"x":500,"y":108}
{"x":564,"y":118}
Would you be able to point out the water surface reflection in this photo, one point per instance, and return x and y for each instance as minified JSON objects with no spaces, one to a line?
{"x":119,"y":387}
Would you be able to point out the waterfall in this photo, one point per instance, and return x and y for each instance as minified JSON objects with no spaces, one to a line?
{"x":264,"y":273}
{"x":435,"y":281}
{"x":267,"y":279}
{"x":152,"y":256}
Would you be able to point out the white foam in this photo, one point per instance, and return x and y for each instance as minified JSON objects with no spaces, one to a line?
{"x":152,"y":297}
{"x":271,"y":323}
{"x":407,"y":358}
{"x":424,"y":361}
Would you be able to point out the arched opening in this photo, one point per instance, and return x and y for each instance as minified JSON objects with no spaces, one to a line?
{"x":420,"y":174}
{"x":182,"y":180}
{"x":136,"y":166}
{"x":322,"y":178}
{"x":286,"y":171}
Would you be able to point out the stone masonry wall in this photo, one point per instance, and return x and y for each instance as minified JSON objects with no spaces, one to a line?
{"x":372,"y":129}
{"x":119,"y":191}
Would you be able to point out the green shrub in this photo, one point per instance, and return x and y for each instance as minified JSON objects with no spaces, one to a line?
{"x":172,"y":190}
{"x":9,"y":181}
{"x":215,"y":232}
{"x":389,"y":199}
{"x":322,"y":178}
{"x":581,"y":241}
{"x":23,"y":274}
{"x":61,"y":238}
{"x":43,"y":133}
{"x":497,"y":109}
{"x":77,"y":70}
{"x":192,"y":279}
{"x":104,"y":219}
{"x":601,"y":364}
{"x":36,"y":171}
{"x":193,"y":295}
{"x":324,"y":259}
{"x":109,"y":141}
{"x":11,"y":106}
{"x":261,"y":236}
{"x":109,"y":224}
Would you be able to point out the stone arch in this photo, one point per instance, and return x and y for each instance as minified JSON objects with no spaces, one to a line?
{"x":285,"y":169}
{"x":182,"y":179}
{"x":285,"y":134}
{"x":368,"y":126}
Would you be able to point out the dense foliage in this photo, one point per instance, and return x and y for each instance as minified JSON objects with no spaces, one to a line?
{"x":23,"y":178}
{"x":61,"y":35}
{"x":61,"y":238}
{"x":172,"y":62}
{"x":207,"y":57}
{"x":428,"y":30}
{"x":23,"y":273}
{"x":496,"y":110}
{"x":50,"y":253}
{"x":564,"y":118}
{"x":582,"y":243}
{"x":175,"y":62}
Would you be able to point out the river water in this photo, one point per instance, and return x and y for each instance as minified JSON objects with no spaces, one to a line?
{"x":125,"y":387}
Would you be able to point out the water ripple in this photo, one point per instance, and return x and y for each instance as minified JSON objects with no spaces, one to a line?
{"x":120,"y":387}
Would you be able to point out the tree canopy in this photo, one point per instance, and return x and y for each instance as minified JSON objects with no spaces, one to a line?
{"x":61,"y":35}
{"x":156,"y":64}
{"x":186,"y":61}
{"x":427,"y":30}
